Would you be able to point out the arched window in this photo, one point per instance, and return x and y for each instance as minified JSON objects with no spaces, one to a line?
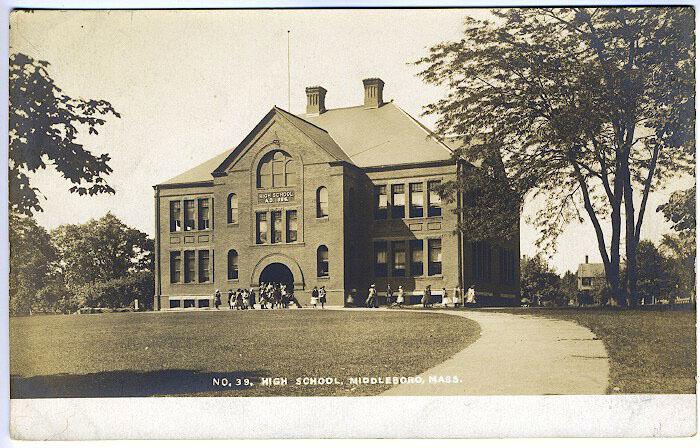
{"x":322,"y":202}
{"x":232,"y":209}
{"x":276,"y":169}
{"x":232,"y":265}
{"x":322,"y":261}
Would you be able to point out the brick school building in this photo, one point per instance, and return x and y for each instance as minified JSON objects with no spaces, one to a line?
{"x":342,"y":198}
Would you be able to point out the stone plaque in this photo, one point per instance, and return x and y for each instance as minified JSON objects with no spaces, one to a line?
{"x":275,"y":197}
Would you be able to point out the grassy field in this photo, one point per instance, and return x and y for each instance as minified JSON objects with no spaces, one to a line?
{"x":651,"y":351}
{"x":156,"y":354}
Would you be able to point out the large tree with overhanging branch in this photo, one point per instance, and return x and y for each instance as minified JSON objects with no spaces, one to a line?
{"x":588,"y":109}
{"x":45,"y":130}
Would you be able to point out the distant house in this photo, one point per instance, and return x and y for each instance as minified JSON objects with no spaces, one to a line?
{"x":590,"y":276}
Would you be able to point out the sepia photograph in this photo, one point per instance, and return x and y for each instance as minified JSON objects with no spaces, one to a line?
{"x":351,"y":203}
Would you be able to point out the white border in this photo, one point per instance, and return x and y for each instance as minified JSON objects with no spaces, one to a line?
{"x":169,"y":418}
{"x":363,"y":417}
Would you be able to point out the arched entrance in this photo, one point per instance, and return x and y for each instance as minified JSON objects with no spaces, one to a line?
{"x":277,"y":273}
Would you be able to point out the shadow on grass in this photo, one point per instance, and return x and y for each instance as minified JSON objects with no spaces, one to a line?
{"x":129,"y":383}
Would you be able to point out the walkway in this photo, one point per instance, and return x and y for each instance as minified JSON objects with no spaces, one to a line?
{"x":520,"y":355}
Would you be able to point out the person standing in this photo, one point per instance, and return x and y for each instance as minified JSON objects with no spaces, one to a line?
{"x":371,"y":296}
{"x":314,"y":297}
{"x":230,"y":299}
{"x":400,"y":297}
{"x":457,"y":297}
{"x":239,"y":300}
{"x":445,"y":298}
{"x":217,"y":299}
{"x":322,"y":296}
{"x":471,"y":296}
{"x":389,"y":295}
{"x":251,"y":298}
{"x":425,"y":301}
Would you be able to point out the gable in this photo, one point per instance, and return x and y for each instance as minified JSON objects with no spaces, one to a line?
{"x":277,"y":124}
{"x":288,"y":132}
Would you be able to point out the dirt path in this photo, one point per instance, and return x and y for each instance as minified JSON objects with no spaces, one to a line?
{"x":520,"y":355}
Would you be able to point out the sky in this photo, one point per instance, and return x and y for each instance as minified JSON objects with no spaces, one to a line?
{"x":191,"y":84}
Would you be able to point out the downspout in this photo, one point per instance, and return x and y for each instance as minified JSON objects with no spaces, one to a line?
{"x":158,"y":289}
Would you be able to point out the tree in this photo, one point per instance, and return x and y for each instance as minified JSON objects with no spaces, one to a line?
{"x":45,"y":126}
{"x":101,"y":250}
{"x":119,"y":292}
{"x":584,"y":106}
{"x":655,"y":280}
{"x":680,"y":251}
{"x":680,"y":210}
{"x":539,"y":283}
{"x":569,"y":287}
{"x":32,"y":263}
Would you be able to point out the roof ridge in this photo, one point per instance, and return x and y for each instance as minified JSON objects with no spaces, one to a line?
{"x":425,"y":129}
{"x":348,"y":159}
{"x":302,"y":119}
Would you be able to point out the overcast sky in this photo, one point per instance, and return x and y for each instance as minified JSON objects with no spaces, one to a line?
{"x":190,"y":84}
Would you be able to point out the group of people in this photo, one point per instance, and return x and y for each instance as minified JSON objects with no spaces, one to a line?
{"x":276,"y":295}
{"x":457,"y":299}
{"x":272,"y":295}
{"x":318,"y":296}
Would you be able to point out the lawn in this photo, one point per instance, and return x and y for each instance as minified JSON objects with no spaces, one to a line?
{"x":183,"y":353}
{"x":651,"y":351}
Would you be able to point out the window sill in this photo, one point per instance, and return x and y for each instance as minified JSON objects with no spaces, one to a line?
{"x":188,"y":232}
{"x":323,"y":277}
{"x":322,"y":218}
{"x":232,"y":224}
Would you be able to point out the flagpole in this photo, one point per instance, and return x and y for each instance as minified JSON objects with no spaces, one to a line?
{"x":289,"y":77}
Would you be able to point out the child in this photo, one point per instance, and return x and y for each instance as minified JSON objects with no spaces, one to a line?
{"x":399,"y":296}
{"x":314,"y":297}
{"x":322,"y":296}
{"x":445,"y":298}
{"x":457,"y":297}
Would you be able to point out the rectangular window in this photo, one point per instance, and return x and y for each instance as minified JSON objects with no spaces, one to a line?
{"x":380,"y":259}
{"x":415,"y":193}
{"x":398,"y":201}
{"x":261,"y":227}
{"x":481,"y":261}
{"x":586,"y":281}
{"x":276,"y":229}
{"x":203,"y":303}
{"x":434,"y":257}
{"x":416,"y":257}
{"x":292,"y":226}
{"x":189,"y":266}
{"x":204,"y":267}
{"x":175,"y":260}
{"x":174,"y":303}
{"x":434,"y":200}
{"x":398,"y":250}
{"x":381,"y":203}
{"x":507,"y":266}
{"x":189,"y":214}
{"x":203,"y":213}
{"x":189,"y":303}
{"x":175,"y":218}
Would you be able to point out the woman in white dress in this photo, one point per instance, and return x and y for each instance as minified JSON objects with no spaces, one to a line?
{"x":399,"y":297}
{"x":445,"y":298}
{"x":471,"y":295}
{"x":457,"y":297}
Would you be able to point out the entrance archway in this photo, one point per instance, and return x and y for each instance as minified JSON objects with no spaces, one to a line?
{"x":277,"y":273}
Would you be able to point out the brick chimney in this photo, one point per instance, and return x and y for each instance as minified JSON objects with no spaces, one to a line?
{"x":374,"y":93}
{"x":315,"y":100}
